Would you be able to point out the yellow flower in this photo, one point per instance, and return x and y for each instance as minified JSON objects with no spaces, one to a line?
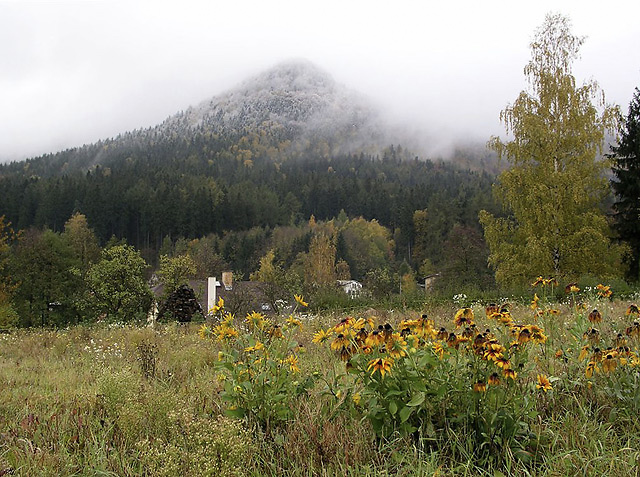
{"x":509,"y":373}
{"x":592,"y":335}
{"x":480,"y":387}
{"x":438,"y":349}
{"x":292,"y":361}
{"x":256,"y":319}
{"x":534,"y":303}
{"x":275,"y":332}
{"x":397,"y":345}
{"x":524,"y":335}
{"x":584,"y":352}
{"x":595,"y":316}
{"x":494,"y":379}
{"x":362,"y":322}
{"x":375,"y":338}
{"x":493,"y":351}
{"x":536,"y":333}
{"x":539,"y":281}
{"x":227,"y":319}
{"x":422,"y":327}
{"x":502,"y":362}
{"x":340,"y":341}
{"x":344,"y":325}
{"x":218,"y":307}
{"x":383,"y":365}
{"x":571,"y":288}
{"x":632,"y":310}
{"x":204,"y":331}
{"x":225,"y":332}
{"x":300,"y":300}
{"x":357,"y":399}
{"x":321,"y":336}
{"x":464,"y":317}
{"x":609,"y":361}
{"x":257,"y":347}
{"x":291,"y":321}
{"x":604,"y":291}
{"x":543,"y":383}
{"x":591,"y":368}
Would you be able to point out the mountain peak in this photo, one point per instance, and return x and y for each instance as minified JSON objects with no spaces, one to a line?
{"x":293,"y":75}
{"x":295,"y":96}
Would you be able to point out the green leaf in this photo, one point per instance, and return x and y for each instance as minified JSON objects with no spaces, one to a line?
{"x":236,"y":413}
{"x":416,"y":400}
{"x":393,"y":408}
{"x":405,"y":412}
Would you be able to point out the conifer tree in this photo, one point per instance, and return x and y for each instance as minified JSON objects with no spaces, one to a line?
{"x":626,"y":169}
{"x":553,"y":191}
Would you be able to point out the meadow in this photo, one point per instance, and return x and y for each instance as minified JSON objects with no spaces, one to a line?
{"x":515,"y":387}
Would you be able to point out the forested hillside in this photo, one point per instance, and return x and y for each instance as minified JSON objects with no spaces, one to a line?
{"x":282,"y":147}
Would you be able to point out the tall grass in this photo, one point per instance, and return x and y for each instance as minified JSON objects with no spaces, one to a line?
{"x":124,"y":400}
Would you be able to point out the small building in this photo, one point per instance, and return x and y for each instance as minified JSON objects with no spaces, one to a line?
{"x":353,"y":288}
{"x":240,"y":297}
{"x":429,"y":282}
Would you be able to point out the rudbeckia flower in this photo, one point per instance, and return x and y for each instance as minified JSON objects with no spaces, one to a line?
{"x":275,"y":332}
{"x":257,"y":347}
{"x":610,"y":361}
{"x":300,"y":300}
{"x":204,"y":331}
{"x":480,"y":387}
{"x":595,"y":316}
{"x":341,"y":341}
{"x":382,"y":365}
{"x":591,"y":368}
{"x":396,"y":346}
{"x":494,"y":379}
{"x":571,"y":288}
{"x":539,"y":281}
{"x":442,"y":334}
{"x":438,"y":349}
{"x":291,"y":321}
{"x":534,"y":302}
{"x":321,"y":336}
{"x":256,"y":319}
{"x":592,"y":334}
{"x":374,"y":339}
{"x":509,"y":373}
{"x":463,"y":317}
{"x":543,"y":383}
{"x":604,"y":291}
{"x":632,"y":310}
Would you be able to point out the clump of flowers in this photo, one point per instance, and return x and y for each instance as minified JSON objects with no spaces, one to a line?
{"x":259,"y":364}
{"x":404,"y":374}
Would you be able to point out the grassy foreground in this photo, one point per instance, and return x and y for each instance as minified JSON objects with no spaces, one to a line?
{"x":125,"y":400}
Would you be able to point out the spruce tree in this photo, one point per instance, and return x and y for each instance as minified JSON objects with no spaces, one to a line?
{"x":626,"y":185}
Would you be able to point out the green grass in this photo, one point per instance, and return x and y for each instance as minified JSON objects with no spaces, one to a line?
{"x":124,"y":400}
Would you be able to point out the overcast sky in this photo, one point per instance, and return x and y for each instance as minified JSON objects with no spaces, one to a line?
{"x":73,"y":72}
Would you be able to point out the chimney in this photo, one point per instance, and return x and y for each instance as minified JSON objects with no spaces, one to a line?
{"x":227,"y":280}
{"x":211,"y":293}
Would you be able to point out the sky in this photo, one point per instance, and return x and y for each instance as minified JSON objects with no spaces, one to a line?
{"x":74,"y":72}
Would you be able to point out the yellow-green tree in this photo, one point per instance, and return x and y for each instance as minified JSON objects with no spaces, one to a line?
{"x":320,"y":269}
{"x":553,"y":191}
{"x":176,"y":271}
{"x":82,"y":240}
